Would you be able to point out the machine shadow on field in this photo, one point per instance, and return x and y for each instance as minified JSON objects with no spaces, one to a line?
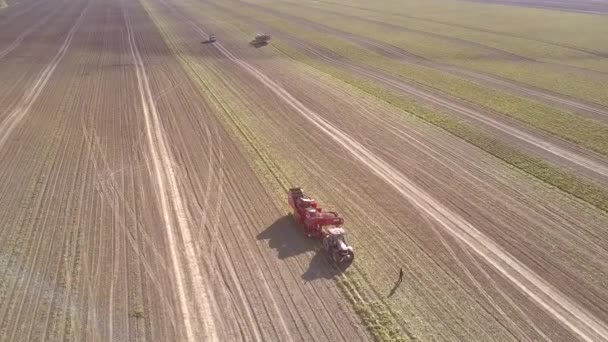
{"x":258,"y":45}
{"x":287,"y":238}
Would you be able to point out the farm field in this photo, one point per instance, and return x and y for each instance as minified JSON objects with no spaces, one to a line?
{"x":144,"y":170}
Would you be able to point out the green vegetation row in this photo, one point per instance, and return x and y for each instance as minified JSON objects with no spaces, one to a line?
{"x":375,"y":315}
{"x":578,"y":187}
{"x":586,"y":132}
{"x":581,"y":188}
{"x":558,"y":28}
{"x":424,"y":40}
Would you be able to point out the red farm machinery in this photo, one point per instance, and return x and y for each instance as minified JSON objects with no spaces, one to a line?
{"x":326,"y":226}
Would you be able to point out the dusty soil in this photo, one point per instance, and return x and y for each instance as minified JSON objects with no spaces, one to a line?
{"x":510,"y":131}
{"x":128,"y":212}
{"x":131,"y":209}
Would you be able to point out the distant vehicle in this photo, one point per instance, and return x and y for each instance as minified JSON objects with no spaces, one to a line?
{"x":260,"y":39}
{"x":212,"y":38}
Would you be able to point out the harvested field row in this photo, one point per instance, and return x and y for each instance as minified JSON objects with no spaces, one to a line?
{"x":286,"y":73}
{"x":514,"y":53}
{"x":97,"y":255}
{"x":401,"y":55}
{"x":143,"y":184}
{"x":501,"y":133}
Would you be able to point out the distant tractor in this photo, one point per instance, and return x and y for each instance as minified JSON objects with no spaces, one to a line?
{"x":323,"y":225}
{"x":212,"y":38}
{"x":260,"y":39}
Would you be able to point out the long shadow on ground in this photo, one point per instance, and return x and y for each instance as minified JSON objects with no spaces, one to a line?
{"x":288,"y":239}
{"x":258,"y":45}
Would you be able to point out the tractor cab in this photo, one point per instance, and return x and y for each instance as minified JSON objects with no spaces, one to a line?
{"x":335,"y":243}
{"x":335,"y":234}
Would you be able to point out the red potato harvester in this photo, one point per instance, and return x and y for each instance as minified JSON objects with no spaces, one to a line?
{"x":323,"y":225}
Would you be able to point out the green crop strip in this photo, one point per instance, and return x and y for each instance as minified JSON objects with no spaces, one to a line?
{"x":581,"y":188}
{"x":556,"y":28}
{"x":578,"y":187}
{"x":375,"y":315}
{"x":422,"y":40}
{"x":586,"y":132}
{"x":3,"y":4}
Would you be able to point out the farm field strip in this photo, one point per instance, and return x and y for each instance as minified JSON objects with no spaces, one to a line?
{"x":571,"y":155}
{"x":408,"y":57}
{"x":143,"y":180}
{"x":537,"y":37}
{"x":587,"y":326}
{"x":8,"y":16}
{"x":26,"y":32}
{"x":564,"y":180}
{"x":172,"y":205}
{"x":433,"y":38}
{"x":588,"y":7}
{"x":32,"y":94}
{"x":314,"y":297}
{"x":22,"y":66}
{"x":566,"y":125}
{"x":74,"y":212}
{"x":221,"y":48}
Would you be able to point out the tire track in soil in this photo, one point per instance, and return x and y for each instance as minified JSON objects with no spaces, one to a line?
{"x":172,"y":206}
{"x":298,"y":311}
{"x":215,"y":241}
{"x":20,"y":69}
{"x":32,"y":94}
{"x":227,"y":269}
{"x":590,"y":7}
{"x":29,"y":220}
{"x":570,"y":156}
{"x":395,"y":160}
{"x":109,"y":192}
{"x":12,"y":46}
{"x":562,"y":308}
{"x":350,"y":199}
{"x":352,"y":294}
{"x":45,"y":239}
{"x":61,"y":296}
{"x":560,"y":151}
{"x":391,"y":51}
{"x":595,"y":53}
{"x":264,"y":94}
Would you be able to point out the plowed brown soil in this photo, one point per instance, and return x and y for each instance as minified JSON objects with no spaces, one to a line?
{"x":141,"y":198}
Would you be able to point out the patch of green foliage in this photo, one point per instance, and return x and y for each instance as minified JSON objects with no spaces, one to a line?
{"x":586,"y":132}
{"x":376,"y":316}
{"x":581,"y":188}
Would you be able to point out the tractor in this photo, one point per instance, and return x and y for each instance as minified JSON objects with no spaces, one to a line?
{"x":260,"y":40}
{"x":326,"y":226}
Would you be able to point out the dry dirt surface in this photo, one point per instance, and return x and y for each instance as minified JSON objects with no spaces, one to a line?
{"x":142,"y":179}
